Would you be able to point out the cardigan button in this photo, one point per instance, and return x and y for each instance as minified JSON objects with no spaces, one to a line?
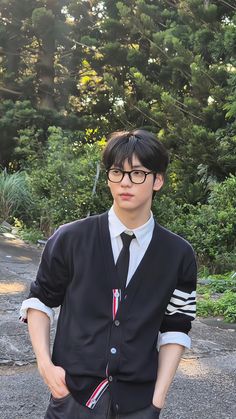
{"x":117,"y":323}
{"x":113,"y":351}
{"x":110,"y":378}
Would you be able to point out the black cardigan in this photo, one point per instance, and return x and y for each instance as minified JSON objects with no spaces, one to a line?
{"x":77,"y":272}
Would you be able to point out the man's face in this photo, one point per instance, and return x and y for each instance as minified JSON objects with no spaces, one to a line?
{"x":129,"y":196}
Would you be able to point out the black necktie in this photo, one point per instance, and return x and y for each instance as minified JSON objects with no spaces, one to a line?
{"x":122,"y":264}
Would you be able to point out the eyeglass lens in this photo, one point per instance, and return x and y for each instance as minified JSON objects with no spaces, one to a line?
{"x":136,"y":176}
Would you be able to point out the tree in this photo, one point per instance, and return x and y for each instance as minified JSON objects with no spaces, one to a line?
{"x":63,"y":181}
{"x":13,"y":42}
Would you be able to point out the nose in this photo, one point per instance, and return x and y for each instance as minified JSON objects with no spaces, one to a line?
{"x":126,"y":180}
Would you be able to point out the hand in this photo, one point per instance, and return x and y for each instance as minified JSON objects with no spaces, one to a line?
{"x":54,"y":377}
{"x":158,"y":403}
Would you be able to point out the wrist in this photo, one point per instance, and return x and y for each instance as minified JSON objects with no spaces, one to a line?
{"x":44,"y":364}
{"x":159,"y":403}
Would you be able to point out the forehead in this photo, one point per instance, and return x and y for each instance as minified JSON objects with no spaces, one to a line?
{"x":129,"y":164}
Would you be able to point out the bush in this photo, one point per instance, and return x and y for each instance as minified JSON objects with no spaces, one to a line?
{"x":30,"y":235}
{"x":210,"y":228}
{"x":63,"y":181}
{"x":217,"y":296}
{"x":15,"y":197}
{"x":224,"y":306}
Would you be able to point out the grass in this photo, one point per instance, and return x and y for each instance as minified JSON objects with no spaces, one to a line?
{"x":14,"y":194}
{"x":217,"y":297}
{"x":30,"y":235}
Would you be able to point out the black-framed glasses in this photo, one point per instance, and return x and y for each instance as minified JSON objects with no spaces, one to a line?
{"x":136,"y":176}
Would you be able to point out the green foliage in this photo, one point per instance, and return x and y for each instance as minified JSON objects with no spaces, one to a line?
{"x":63,"y":181}
{"x":15,"y":196}
{"x":14,"y":117}
{"x":205,"y":307}
{"x":218,"y":297}
{"x":24,"y":131}
{"x":177,"y":62}
{"x":210,"y":228}
{"x":218,"y":283}
{"x":43,"y":21}
{"x":104,"y":66}
{"x":31,"y":235}
{"x":226,"y":306}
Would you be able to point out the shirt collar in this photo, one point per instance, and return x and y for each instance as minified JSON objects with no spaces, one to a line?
{"x":116,"y":227}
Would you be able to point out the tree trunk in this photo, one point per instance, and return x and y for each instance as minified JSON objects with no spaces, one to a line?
{"x":46,"y":75}
{"x":12,"y":54}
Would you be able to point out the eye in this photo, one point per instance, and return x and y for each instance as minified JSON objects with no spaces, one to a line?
{"x":115,"y":171}
{"x":137,"y":173}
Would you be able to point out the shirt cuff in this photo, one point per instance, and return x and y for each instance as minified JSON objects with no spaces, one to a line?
{"x":174,"y":337}
{"x":37,"y":305}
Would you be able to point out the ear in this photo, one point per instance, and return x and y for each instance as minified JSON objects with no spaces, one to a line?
{"x":158,"y":182}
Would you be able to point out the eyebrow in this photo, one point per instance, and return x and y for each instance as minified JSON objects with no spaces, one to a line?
{"x":136,"y":166}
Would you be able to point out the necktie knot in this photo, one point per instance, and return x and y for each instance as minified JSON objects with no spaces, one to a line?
{"x":126,"y":239}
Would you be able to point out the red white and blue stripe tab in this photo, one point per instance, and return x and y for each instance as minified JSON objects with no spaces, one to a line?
{"x":115,"y":301}
{"x":99,"y":390}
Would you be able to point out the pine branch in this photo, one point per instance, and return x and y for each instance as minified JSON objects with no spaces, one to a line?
{"x":12,"y":92}
{"x":227,"y":4}
{"x":82,"y":45}
{"x":187,"y":112}
{"x":125,"y":124}
{"x":146,"y":116}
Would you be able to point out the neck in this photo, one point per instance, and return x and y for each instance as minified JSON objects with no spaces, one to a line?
{"x":132,"y":219}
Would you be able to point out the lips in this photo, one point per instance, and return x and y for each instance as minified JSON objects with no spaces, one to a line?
{"x":126,"y":195}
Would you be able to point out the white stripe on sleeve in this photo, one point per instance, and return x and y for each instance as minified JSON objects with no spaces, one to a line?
{"x":182,"y":302}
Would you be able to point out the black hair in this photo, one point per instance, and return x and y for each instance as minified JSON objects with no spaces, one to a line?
{"x":144,"y":145}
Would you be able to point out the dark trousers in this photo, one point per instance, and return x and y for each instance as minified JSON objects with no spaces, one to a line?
{"x":68,"y":408}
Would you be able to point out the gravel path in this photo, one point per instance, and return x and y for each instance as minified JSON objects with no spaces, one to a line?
{"x":204,"y":387}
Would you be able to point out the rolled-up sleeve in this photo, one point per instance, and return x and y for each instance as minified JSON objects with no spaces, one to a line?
{"x":36,"y":304}
{"x":53,"y":275}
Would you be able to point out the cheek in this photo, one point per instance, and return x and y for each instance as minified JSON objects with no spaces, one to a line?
{"x":146,"y":191}
{"x":111,"y":187}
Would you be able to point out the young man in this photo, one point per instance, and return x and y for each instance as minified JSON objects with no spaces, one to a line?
{"x":126,"y":287}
